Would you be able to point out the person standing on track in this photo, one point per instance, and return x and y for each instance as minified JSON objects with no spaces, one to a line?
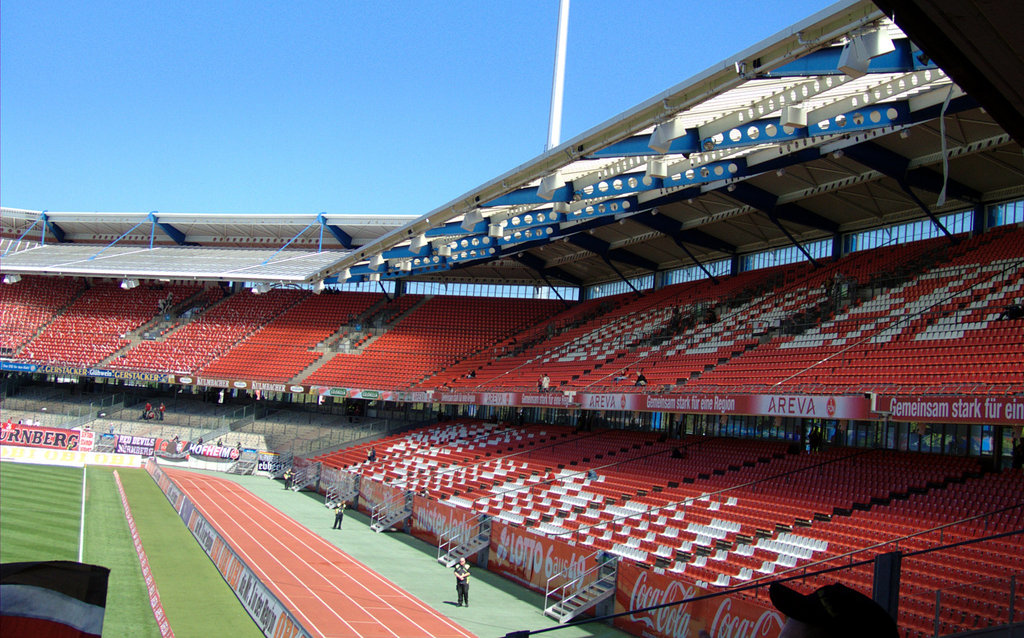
{"x":339,"y":515}
{"x":462,"y":581}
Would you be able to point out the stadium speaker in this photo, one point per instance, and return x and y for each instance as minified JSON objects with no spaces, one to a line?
{"x":872,"y":401}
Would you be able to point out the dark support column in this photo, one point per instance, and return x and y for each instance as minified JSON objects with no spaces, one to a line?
{"x":886,"y":590}
{"x":980,"y":220}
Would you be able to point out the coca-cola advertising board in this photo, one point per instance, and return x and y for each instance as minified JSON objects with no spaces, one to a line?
{"x":721,"y":617}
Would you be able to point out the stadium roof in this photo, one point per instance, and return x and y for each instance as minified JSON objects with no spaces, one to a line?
{"x":839,"y":123}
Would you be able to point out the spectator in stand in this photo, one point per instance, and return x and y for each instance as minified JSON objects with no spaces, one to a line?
{"x":1011,"y":312}
{"x":147,"y":410}
{"x":545,"y":383}
{"x":641,"y":380}
{"x":623,"y":376}
{"x":816,"y":439}
{"x":832,"y":611}
{"x":161,"y":409}
{"x":371,"y":456}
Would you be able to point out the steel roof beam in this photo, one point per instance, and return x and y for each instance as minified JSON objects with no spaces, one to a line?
{"x":604,"y":250}
{"x":896,"y":166}
{"x":55,"y":230}
{"x":768,"y":203}
{"x":343,"y":238}
{"x":176,"y":235}
{"x":673,"y":228}
{"x":537,"y":264}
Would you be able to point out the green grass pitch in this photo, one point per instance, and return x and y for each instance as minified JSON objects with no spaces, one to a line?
{"x":40,"y":508}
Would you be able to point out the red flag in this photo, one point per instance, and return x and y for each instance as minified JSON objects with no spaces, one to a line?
{"x":53,"y":599}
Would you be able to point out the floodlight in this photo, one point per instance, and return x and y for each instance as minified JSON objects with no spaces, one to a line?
{"x":665,"y":133}
{"x":444,"y":251}
{"x":417,"y":243}
{"x":128,"y":284}
{"x":549,"y":184}
{"x":12,"y":278}
{"x":376,"y":261}
{"x":860,"y":49}
{"x":471,"y":219}
{"x":318,"y":287}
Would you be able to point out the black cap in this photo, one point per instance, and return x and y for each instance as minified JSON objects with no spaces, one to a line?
{"x":845,"y":612}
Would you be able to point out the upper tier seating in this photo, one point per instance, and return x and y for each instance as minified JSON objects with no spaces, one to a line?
{"x":434,"y":334}
{"x":282,"y":349}
{"x":27,"y":307}
{"x":95,"y":325}
{"x":210,"y":335}
{"x":937,"y":332}
{"x":920,"y":318}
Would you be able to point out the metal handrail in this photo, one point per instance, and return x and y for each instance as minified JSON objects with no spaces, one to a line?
{"x":381,"y":510}
{"x":458,"y":534}
{"x":580,"y":582}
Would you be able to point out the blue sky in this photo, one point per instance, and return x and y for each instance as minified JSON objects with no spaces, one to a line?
{"x":329,"y":105}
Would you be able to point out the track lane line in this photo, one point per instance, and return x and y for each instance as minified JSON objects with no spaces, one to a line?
{"x":275,"y":527}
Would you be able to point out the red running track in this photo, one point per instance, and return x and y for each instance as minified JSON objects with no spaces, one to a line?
{"x":329,"y":592}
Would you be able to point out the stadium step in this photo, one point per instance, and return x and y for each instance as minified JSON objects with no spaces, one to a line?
{"x":574,"y":598}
